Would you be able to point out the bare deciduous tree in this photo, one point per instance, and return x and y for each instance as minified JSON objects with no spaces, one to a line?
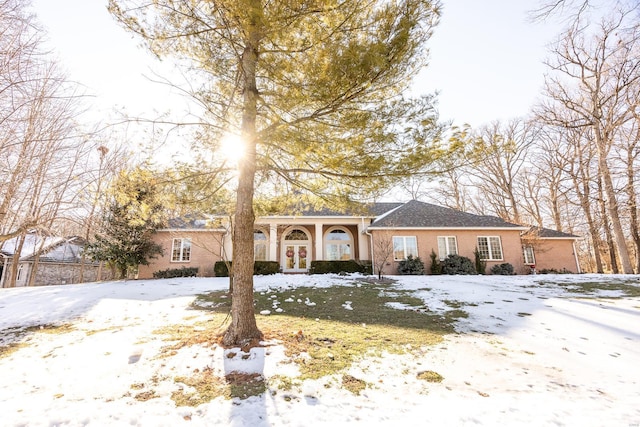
{"x":592,"y":77}
{"x":382,"y":251}
{"x":500,"y":155}
{"x":41,"y":151}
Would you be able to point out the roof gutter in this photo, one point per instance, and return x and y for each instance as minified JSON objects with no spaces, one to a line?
{"x":365,"y":230}
{"x":464,"y":228}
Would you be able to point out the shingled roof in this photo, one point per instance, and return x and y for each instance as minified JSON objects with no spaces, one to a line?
{"x":416,"y":214}
{"x":369,"y":210}
{"x":547,"y":233}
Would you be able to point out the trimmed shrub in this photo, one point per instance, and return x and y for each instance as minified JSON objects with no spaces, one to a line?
{"x":435,"y":268}
{"x":554,"y":271}
{"x":481,"y":265}
{"x":220,"y":269}
{"x":504,"y":269}
{"x":170,"y":273}
{"x":367,"y":266}
{"x":456,"y":264}
{"x":265,"y":268}
{"x":259,"y":268}
{"x":411,"y":266}
{"x":339,"y":266}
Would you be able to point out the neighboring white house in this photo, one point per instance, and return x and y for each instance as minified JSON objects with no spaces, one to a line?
{"x":47,"y":260}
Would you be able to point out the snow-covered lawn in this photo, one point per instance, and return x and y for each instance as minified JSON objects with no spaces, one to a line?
{"x":530,"y":353}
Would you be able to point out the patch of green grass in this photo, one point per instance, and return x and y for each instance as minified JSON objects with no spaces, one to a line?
{"x":353,"y":384}
{"x":13,"y":339}
{"x":283,"y":382}
{"x":367,"y":300}
{"x":143,"y":396}
{"x":319,"y":332}
{"x":8,"y":349}
{"x":315,"y":322}
{"x":629,"y":287}
{"x":243,"y":385}
{"x":52,"y":329}
{"x":453,"y":303}
{"x":430,"y":376}
{"x":453,"y":315}
{"x":90,"y":332}
{"x":204,"y":386}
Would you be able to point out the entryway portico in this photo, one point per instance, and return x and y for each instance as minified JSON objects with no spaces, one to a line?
{"x":296,"y":241}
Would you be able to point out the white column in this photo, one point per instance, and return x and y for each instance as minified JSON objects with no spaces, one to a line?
{"x":273,"y":242}
{"x":363,"y":243}
{"x":319,"y":245}
{"x":227,"y":247}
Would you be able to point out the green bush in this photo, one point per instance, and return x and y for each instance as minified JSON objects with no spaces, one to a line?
{"x":411,"y":266}
{"x":554,"y":271}
{"x":456,"y":264}
{"x":481,"y":265}
{"x":504,"y":269}
{"x":264,"y":268}
{"x":220,"y":269}
{"x":339,"y":266}
{"x":435,"y":268}
{"x":259,"y":268}
{"x":176,"y":272}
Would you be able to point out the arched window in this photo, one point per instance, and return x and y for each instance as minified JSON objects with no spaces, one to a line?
{"x":259,"y":245}
{"x":296,"y":234}
{"x":338,"y":244}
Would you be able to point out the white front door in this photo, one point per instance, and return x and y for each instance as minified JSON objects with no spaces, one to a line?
{"x":296,"y":256}
{"x":296,"y":250}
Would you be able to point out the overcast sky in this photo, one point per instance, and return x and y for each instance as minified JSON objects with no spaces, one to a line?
{"x":486,"y":58}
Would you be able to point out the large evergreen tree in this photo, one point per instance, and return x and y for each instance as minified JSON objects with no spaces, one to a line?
{"x":134,"y":214}
{"x":315,"y":88}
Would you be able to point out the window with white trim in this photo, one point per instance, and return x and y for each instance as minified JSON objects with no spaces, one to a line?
{"x":403,"y":246}
{"x":259,"y":245}
{"x":490,"y":248}
{"x":447,"y":245}
{"x":529,"y":256}
{"x":337,"y":244}
{"x":181,"y":250}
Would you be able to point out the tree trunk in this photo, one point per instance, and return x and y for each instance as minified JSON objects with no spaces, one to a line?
{"x":633,"y":206}
{"x":612,"y":206}
{"x":34,"y":270}
{"x":555,"y":208}
{"x":13,"y":273}
{"x":595,"y":238}
{"x":582,"y":184}
{"x":611,"y":247}
{"x":243,"y":327}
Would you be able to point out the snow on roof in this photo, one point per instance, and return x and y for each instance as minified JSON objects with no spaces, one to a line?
{"x":33,"y":243}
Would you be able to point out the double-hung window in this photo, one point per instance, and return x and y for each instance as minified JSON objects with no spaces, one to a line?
{"x":490,"y":248}
{"x":403,"y":246}
{"x":529,"y":257}
{"x":447,"y":245}
{"x":181,"y":250}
